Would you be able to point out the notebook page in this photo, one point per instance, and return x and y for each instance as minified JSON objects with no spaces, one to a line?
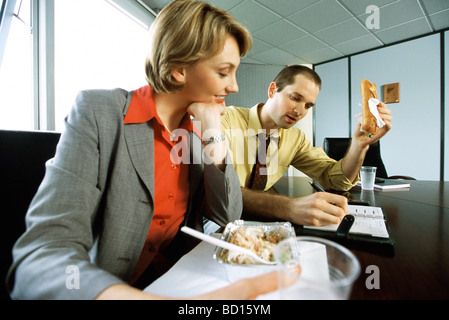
{"x":366,"y":212}
{"x":368,"y":220}
{"x":374,"y":227}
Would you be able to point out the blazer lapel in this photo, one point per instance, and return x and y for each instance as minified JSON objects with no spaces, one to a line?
{"x":140,"y":141}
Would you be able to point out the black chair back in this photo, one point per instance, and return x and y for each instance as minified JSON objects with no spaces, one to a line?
{"x":336,"y":148}
{"x":22,"y":165}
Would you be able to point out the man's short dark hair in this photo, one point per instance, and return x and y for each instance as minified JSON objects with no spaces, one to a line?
{"x":287,"y":76}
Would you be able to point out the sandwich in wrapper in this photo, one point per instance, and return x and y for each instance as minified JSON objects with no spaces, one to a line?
{"x":371,"y":121}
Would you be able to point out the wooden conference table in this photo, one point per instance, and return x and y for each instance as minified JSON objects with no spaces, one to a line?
{"x":416,"y":267}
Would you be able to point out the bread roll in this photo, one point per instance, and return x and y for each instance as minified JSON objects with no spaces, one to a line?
{"x":369,"y":122}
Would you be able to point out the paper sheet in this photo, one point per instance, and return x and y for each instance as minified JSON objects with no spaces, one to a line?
{"x":197,"y":273}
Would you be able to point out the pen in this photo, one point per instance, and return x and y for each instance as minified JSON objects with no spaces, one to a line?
{"x":316,"y":186}
{"x":319,"y":188}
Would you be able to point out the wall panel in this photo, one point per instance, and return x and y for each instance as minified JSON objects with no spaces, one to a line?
{"x":412,"y":147}
{"x":253,"y":81}
{"x":331,"y":110}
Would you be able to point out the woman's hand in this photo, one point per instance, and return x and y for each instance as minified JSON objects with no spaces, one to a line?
{"x":207,"y":116}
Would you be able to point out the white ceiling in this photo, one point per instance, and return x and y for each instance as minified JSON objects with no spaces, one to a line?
{"x":313,"y":31}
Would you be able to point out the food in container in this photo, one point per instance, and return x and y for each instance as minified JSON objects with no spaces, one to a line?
{"x":261,"y":238}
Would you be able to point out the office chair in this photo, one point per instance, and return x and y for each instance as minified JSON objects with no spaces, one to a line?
{"x":336,"y":149}
{"x":22,"y":167}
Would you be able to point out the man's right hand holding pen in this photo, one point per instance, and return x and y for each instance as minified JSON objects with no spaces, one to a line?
{"x":343,"y":205}
{"x":317,"y":209}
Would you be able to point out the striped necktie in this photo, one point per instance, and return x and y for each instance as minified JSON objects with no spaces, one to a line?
{"x":258,"y":181}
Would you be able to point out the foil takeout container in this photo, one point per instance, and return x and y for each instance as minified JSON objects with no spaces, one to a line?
{"x":282,"y":230}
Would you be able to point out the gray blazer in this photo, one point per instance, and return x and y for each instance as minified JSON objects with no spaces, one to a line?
{"x":91,"y":214}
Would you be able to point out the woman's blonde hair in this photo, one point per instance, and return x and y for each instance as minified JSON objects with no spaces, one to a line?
{"x":184,"y":32}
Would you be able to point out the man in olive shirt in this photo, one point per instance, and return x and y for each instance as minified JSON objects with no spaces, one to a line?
{"x":290,"y":96}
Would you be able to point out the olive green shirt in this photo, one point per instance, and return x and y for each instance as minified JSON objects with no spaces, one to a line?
{"x":241,"y":127}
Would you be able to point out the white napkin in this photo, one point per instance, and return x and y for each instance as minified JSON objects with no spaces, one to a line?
{"x":372,"y":103}
{"x":313,"y":261}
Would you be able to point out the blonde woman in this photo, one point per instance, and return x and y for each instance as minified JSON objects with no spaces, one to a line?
{"x":115,"y":194}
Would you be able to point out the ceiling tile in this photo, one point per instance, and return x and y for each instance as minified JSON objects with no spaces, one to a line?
{"x":341,"y":32}
{"x":359,"y":7}
{"x":250,"y":61}
{"x":276,"y":56}
{"x":440,"y":20}
{"x":253,"y":15}
{"x":225,"y":5}
{"x":286,"y":7}
{"x":404,"y":31}
{"x":258,"y":47}
{"x":302,"y":46}
{"x":279,"y":32}
{"x":358,"y":45}
{"x":434,"y":6}
{"x":314,"y":31}
{"x":396,"y":13}
{"x":325,"y":54}
{"x":320,"y":16}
